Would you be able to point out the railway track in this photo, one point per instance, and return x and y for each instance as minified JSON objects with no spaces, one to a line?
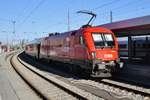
{"x":107,"y":88}
{"x":136,"y":90}
{"x":121,"y":89}
{"x":49,"y":87}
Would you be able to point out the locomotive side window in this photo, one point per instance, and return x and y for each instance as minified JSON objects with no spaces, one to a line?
{"x":82,"y":41}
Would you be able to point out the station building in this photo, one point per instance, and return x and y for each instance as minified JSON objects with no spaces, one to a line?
{"x":130,"y":30}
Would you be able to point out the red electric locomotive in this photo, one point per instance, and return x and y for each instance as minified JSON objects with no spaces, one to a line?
{"x":92,"y":50}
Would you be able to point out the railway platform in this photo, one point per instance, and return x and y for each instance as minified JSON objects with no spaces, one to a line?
{"x":137,"y":73}
{"x":12,"y":87}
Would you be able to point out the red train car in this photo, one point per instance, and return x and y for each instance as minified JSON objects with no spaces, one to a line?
{"x":93,"y":50}
{"x":33,"y":48}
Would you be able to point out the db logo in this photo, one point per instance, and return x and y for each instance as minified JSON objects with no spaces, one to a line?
{"x":108,"y":55}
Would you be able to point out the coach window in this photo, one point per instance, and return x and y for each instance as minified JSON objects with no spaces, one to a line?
{"x":122,"y":45}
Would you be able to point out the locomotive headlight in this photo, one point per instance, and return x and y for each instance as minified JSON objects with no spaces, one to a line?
{"x":93,"y":54}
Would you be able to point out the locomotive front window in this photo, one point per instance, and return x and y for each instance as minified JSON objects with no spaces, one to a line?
{"x":109,"y":40}
{"x":97,"y":37}
{"x":103,"y":40}
{"x":98,"y":40}
{"x":108,"y":37}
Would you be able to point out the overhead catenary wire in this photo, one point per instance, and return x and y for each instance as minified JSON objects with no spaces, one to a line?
{"x":136,"y":13}
{"x":32,"y":11}
{"x":24,"y":9}
{"x":132,"y":11}
{"x":127,"y":5}
{"x":119,"y":8}
{"x":104,"y":5}
{"x":111,"y":3}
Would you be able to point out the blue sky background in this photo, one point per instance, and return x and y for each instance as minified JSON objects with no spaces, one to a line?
{"x":35,"y":18}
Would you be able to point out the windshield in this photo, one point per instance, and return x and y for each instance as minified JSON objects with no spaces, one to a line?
{"x":103,"y":40}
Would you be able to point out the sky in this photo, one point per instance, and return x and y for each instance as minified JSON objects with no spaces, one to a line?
{"x":29,"y":19}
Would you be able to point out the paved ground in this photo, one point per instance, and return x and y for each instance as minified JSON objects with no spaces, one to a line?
{"x":137,"y":73}
{"x":12,"y":87}
{"x":141,"y":69}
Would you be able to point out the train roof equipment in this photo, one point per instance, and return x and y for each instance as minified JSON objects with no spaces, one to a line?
{"x":52,"y":34}
{"x":90,"y":20}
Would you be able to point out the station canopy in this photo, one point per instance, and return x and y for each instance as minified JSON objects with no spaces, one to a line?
{"x":130,"y":27}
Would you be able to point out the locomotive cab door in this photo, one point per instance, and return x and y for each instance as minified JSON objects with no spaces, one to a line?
{"x":80,"y":49}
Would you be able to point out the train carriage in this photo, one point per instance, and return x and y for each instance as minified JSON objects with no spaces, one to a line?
{"x":33,"y":48}
{"x":140,"y":47}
